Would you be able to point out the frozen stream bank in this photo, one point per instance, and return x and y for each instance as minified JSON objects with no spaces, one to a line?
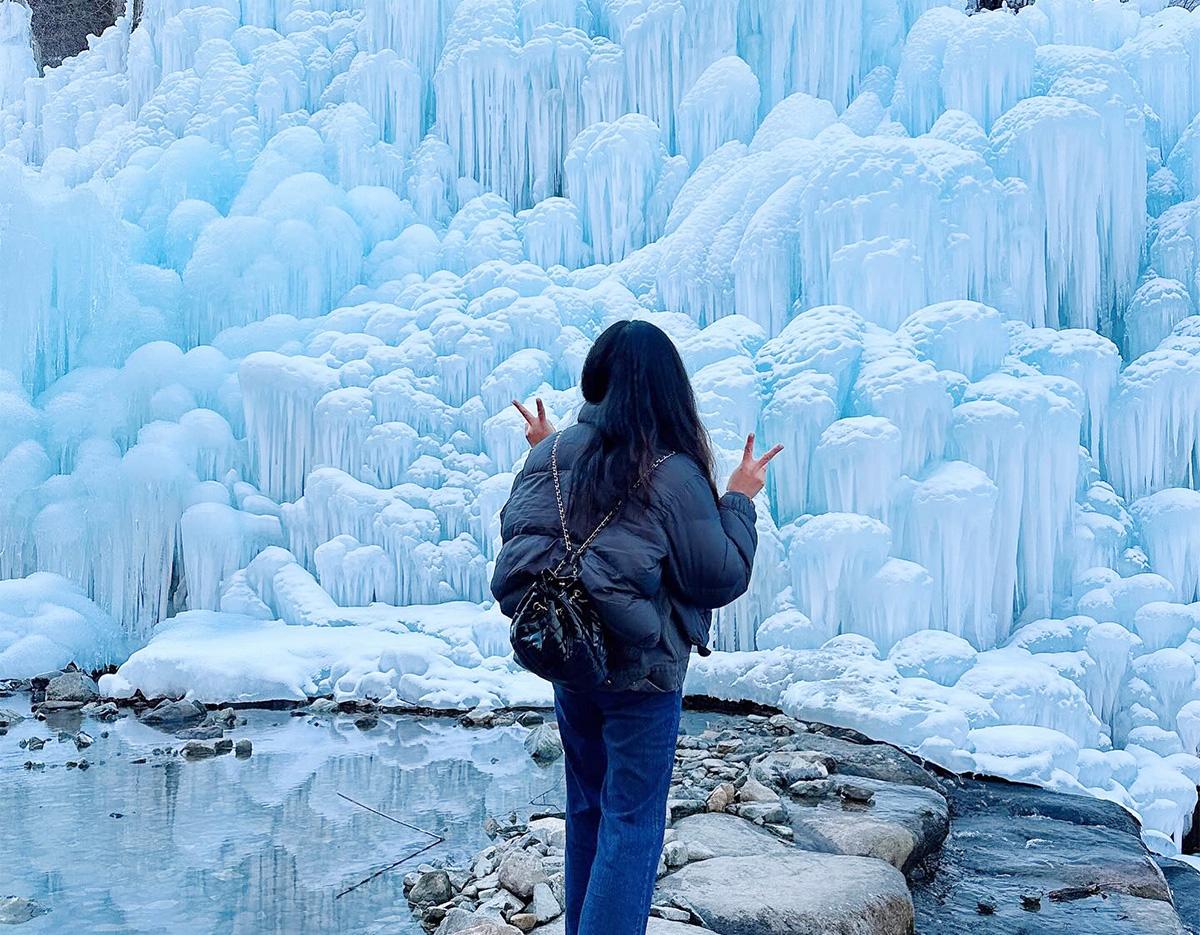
{"x":149,"y":839}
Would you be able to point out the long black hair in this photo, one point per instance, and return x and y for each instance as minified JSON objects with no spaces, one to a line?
{"x":644,"y":407}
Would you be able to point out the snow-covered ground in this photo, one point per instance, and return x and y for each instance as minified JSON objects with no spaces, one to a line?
{"x":271,"y":271}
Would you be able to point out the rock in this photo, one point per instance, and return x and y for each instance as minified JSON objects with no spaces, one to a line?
{"x":717,"y":835}
{"x":795,"y":893}
{"x":323,"y":706}
{"x":525,"y":921}
{"x":854,"y":793}
{"x":101,"y":710}
{"x":479,"y":717}
{"x":986,"y":907}
{"x":205,"y":732}
{"x":720,"y":798}
{"x":243,"y":748}
{"x":35,"y":743}
{"x":682,"y":808}
{"x":656,"y":926}
{"x":675,"y":854}
{"x":811,"y":788}
{"x":1031,"y":902}
{"x":762,"y":813}
{"x":670,"y":914}
{"x":431,"y":888}
{"x":199,"y":750}
{"x":1084,"y":855}
{"x":16,"y":910}
{"x":545,"y":905}
{"x":531,"y":718}
{"x":223,"y":746}
{"x":520,"y":871}
{"x":500,"y":905}
{"x":460,"y":922}
{"x":902,"y":825}
{"x":82,"y":740}
{"x":754,"y":791}
{"x":544,"y":743}
{"x":172,"y":713}
{"x":9,"y":718}
{"x":367,"y":722}
{"x":72,"y":687}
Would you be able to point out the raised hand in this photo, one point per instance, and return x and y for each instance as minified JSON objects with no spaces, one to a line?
{"x":536,"y":427}
{"x":751,"y":474}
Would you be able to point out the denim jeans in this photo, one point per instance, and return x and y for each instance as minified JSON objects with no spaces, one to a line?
{"x":619,"y":749}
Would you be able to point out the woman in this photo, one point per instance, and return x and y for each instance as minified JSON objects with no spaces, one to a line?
{"x":673,"y":552}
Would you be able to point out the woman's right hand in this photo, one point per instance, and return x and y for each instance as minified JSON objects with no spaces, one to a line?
{"x":751,"y":474}
{"x":536,"y":427}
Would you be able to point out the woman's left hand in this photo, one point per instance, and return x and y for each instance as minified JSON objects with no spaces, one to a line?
{"x":536,"y":427}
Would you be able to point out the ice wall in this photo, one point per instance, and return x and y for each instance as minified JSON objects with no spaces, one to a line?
{"x":273,"y":271}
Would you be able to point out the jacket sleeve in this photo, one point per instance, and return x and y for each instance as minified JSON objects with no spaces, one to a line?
{"x":710,"y":545}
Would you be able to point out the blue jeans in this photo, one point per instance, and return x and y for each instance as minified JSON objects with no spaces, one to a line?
{"x":619,"y":749}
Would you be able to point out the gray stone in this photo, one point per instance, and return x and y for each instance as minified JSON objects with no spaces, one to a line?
{"x":82,"y":740}
{"x":902,"y":824}
{"x":1084,"y":855}
{"x":243,"y":748}
{"x":199,"y":750}
{"x":796,"y":893}
{"x":430,"y":889}
{"x":715,"y":835}
{"x":72,"y":686}
{"x":323,"y":706}
{"x":545,"y":905}
{"x":544,"y":743}
{"x":173,"y":713}
{"x":8,"y":718}
{"x":204,"y":732}
{"x":474,"y":925}
{"x":754,"y":791}
{"x":655,"y":926}
{"x":16,"y":910}
{"x":520,"y":871}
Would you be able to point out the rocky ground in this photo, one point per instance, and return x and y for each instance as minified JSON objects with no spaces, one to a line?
{"x":775,"y":826}
{"x":783,"y":828}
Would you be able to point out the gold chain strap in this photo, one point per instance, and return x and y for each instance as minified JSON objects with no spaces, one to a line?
{"x":562,"y":511}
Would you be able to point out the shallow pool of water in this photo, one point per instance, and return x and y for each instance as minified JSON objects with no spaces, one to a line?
{"x":258,"y":845}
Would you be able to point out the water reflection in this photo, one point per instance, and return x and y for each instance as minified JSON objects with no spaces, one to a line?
{"x":249,"y":846}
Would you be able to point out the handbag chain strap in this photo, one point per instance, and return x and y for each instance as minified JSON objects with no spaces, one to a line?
{"x":562,"y":510}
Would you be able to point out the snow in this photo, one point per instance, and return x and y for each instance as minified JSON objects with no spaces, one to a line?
{"x":274,"y":271}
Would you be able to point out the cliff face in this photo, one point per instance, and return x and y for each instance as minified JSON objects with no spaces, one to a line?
{"x":61,"y":27}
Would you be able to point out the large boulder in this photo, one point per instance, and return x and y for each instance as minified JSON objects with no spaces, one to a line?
{"x":795,"y":893}
{"x":175,"y":713}
{"x":717,"y":835}
{"x":72,"y":687}
{"x":902,"y":824}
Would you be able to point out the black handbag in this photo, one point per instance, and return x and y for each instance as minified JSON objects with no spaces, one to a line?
{"x":557,"y":632}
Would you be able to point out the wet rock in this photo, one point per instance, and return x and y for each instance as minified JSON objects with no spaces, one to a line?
{"x":16,"y":910}
{"x":716,"y":835}
{"x":531,"y":718}
{"x":174,"y":713}
{"x":366,"y":722}
{"x":323,"y":706}
{"x":9,"y":718}
{"x":520,"y":872}
{"x":760,"y":896}
{"x":72,"y":687}
{"x":544,"y":744}
{"x":902,"y":824}
{"x":1008,"y":841}
{"x":223,"y":746}
{"x":479,"y":717}
{"x":243,"y":749}
{"x":101,"y":710}
{"x":82,"y":740}
{"x":204,"y":732}
{"x":199,"y":750}
{"x":431,"y":888}
{"x":35,"y":743}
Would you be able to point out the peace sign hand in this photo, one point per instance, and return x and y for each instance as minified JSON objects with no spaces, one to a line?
{"x":536,"y":427}
{"x":751,"y":474}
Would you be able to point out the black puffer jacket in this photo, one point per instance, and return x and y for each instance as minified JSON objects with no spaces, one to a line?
{"x":656,"y":571}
